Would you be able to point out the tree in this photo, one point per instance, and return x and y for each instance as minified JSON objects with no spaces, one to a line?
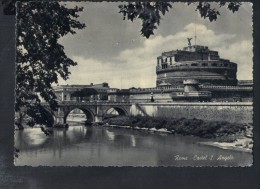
{"x":40,"y":59}
{"x":150,"y":12}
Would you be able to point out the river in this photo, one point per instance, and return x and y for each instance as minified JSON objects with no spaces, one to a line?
{"x":106,"y":146}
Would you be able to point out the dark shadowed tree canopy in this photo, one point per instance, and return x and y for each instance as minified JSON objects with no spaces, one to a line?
{"x":40,"y":59}
{"x":150,"y":12}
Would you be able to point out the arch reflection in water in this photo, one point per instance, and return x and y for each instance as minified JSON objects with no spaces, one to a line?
{"x":110,"y":135}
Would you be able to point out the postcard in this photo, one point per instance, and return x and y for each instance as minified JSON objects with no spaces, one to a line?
{"x":134,"y":84}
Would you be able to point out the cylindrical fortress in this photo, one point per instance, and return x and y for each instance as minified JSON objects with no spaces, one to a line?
{"x":190,"y":85}
{"x":197,"y":63}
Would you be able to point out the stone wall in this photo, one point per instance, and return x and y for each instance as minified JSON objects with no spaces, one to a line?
{"x":239,"y":112}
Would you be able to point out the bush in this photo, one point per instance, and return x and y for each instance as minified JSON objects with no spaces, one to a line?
{"x":196,"y":127}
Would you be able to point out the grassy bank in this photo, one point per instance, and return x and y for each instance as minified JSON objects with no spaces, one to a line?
{"x":222,"y":130}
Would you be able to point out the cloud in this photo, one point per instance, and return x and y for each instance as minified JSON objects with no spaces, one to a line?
{"x":151,"y":48}
{"x":242,"y":54}
{"x":117,"y":74}
{"x":135,"y":67}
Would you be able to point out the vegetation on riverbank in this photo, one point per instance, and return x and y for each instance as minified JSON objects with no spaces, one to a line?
{"x":222,"y":130}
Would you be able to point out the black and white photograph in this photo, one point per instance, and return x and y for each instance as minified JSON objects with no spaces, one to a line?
{"x":140,"y":84}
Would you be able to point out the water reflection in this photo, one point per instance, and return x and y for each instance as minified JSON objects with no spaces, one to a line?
{"x":133,"y":141}
{"x":98,"y":146}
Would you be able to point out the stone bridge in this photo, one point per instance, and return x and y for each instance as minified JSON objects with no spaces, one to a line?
{"x":94,"y":111}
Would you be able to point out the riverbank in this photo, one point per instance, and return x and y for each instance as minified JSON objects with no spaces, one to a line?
{"x":224,"y":135}
{"x":243,"y":142}
{"x":154,"y":130}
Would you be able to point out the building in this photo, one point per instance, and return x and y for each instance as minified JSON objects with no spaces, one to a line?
{"x":118,"y":95}
{"x":82,"y":92}
{"x":195,"y":62}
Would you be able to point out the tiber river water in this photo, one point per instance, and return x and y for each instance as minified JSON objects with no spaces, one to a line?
{"x":106,"y":146}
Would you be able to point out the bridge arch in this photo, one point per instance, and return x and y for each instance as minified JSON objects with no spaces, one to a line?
{"x":119,"y":110}
{"x":88,"y":113}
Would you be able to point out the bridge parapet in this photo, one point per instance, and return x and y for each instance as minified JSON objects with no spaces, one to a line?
{"x":75,"y":103}
{"x":114,"y":103}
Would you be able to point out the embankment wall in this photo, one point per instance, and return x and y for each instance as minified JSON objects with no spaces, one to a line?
{"x":238,"y":112}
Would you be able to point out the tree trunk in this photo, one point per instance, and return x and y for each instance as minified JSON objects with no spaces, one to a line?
{"x":19,"y":124}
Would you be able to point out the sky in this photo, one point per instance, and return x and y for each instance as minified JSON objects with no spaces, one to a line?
{"x":112,"y":50}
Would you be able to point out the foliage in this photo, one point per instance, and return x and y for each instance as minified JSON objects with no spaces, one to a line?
{"x":40,"y":59}
{"x":196,"y":127}
{"x":122,"y":121}
{"x":206,"y":11}
{"x":150,"y":12}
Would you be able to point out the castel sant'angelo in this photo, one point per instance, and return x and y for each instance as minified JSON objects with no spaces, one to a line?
{"x":193,"y":83}
{"x":194,"y":73}
{"x":195,"y":62}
